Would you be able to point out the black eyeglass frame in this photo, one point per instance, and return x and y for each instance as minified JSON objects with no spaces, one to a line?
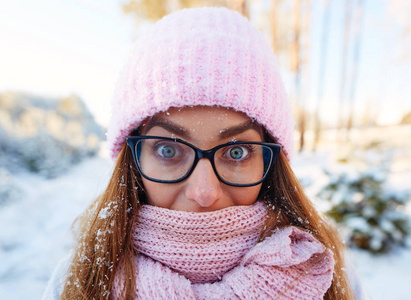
{"x":209,"y":154}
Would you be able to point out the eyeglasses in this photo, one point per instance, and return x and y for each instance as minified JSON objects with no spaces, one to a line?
{"x":168,"y":160}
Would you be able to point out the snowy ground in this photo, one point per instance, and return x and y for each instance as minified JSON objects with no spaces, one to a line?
{"x":381,"y":276}
{"x":35,"y":231}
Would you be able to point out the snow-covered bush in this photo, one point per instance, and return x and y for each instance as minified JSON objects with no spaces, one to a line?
{"x":45,"y":135}
{"x":372,"y":217}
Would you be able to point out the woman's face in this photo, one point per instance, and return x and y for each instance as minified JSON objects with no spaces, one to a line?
{"x":204,"y":127}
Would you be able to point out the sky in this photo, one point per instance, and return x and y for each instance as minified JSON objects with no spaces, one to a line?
{"x":382,"y":80}
{"x":55,"y":48}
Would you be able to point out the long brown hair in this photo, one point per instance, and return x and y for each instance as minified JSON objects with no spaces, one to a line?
{"x":103,"y":230}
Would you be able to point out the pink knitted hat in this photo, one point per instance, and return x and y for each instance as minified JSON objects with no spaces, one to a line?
{"x":201,"y":56}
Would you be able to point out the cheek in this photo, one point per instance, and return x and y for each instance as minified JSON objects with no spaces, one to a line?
{"x":158,"y":194}
{"x":166,"y":195}
{"x":245,"y":195}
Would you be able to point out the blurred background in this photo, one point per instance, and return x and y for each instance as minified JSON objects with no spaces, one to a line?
{"x":346,"y":65}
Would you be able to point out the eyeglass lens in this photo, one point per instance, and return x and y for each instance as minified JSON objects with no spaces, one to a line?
{"x":171,"y":160}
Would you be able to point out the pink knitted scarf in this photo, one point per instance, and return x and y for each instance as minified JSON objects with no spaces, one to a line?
{"x":214,"y":255}
{"x":200,"y":246}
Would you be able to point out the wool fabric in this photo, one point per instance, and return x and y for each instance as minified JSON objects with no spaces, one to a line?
{"x":201,"y":56}
{"x":289,"y":264}
{"x":200,"y":246}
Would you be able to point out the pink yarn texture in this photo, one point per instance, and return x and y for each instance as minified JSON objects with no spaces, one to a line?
{"x":200,"y":246}
{"x":201,"y":56}
{"x":290,"y":264}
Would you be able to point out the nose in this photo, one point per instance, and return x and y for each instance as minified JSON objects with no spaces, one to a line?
{"x":203,"y":186}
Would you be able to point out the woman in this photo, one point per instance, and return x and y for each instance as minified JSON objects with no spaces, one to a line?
{"x":202,"y":203}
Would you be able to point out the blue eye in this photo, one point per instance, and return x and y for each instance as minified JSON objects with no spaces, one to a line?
{"x":238,"y":152}
{"x":167,"y":151}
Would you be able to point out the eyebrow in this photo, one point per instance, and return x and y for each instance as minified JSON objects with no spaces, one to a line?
{"x":184,"y":133}
{"x":237,"y":129}
{"x":169,"y":126}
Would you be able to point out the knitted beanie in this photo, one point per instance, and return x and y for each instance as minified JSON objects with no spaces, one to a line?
{"x":201,"y":56}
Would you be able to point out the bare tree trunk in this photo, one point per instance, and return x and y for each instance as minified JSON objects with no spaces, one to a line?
{"x":243,"y":8}
{"x":296,"y":67}
{"x":238,"y":5}
{"x":359,"y":12}
{"x":323,"y":59}
{"x":344,"y":64}
{"x":274,"y":25}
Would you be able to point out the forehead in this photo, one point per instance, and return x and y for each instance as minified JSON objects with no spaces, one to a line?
{"x":200,"y":122}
